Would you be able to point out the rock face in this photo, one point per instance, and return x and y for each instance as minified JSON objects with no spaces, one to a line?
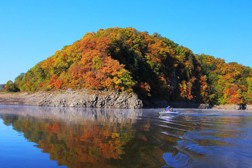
{"x":249,"y":107}
{"x":228,"y":107}
{"x":83,"y":98}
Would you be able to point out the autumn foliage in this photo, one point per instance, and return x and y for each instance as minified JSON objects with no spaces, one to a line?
{"x":152,"y":66}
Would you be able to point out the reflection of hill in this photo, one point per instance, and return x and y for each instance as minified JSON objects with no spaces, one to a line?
{"x":86,"y":144}
{"x":119,"y":138}
{"x":75,"y":114}
{"x":93,"y":137}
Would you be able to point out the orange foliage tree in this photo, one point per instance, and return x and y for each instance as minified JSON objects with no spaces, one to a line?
{"x":152,"y":66}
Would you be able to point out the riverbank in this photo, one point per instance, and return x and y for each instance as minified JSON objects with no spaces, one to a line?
{"x":100,"y":99}
{"x":161,"y":104}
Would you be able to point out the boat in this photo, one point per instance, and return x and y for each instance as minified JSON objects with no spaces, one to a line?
{"x":169,"y":112}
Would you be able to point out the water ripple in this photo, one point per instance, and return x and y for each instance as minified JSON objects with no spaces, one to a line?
{"x":202,"y":138}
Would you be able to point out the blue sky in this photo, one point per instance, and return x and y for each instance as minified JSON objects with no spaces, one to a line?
{"x":32,"y":30}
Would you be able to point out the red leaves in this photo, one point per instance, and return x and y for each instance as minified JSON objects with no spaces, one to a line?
{"x":232,"y":95}
{"x":186,"y":89}
{"x":58,"y":83}
{"x":145,"y":86}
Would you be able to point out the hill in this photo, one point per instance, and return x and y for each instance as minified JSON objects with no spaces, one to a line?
{"x":152,"y":66}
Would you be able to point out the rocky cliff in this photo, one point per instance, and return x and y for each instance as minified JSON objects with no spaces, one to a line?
{"x":70,"y":98}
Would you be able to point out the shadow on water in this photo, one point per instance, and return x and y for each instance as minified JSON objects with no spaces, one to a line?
{"x":91,"y":137}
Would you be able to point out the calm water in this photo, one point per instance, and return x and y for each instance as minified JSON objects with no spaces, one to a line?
{"x":72,"y":137}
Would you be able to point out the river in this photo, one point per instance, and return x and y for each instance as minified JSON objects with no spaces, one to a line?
{"x":91,"y":137}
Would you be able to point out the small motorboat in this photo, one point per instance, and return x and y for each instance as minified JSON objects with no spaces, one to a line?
{"x":169,"y":112}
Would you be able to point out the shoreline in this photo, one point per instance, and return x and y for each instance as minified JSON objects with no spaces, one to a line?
{"x":71,"y":98}
{"x":100,"y":99}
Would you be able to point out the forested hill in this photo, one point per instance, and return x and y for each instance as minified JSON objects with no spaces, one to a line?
{"x":152,"y":66}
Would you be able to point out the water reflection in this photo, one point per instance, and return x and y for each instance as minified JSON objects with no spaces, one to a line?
{"x":74,"y":114}
{"x":74,"y":137}
{"x":78,"y":137}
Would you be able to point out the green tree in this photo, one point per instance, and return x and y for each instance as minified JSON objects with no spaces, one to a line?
{"x":11,"y":87}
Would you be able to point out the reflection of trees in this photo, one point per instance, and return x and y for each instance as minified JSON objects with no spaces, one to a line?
{"x":75,"y":145}
{"x":98,"y":138}
{"x":93,"y":144}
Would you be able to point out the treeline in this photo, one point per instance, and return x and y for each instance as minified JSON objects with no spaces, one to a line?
{"x":152,"y":66}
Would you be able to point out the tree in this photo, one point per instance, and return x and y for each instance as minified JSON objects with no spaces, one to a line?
{"x":11,"y":87}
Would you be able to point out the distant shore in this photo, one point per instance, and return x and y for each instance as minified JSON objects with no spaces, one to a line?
{"x":100,"y":99}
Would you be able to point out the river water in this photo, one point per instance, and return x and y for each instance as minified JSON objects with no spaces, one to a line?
{"x":74,"y":137}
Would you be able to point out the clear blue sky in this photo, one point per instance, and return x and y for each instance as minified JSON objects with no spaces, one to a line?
{"x":32,"y":30}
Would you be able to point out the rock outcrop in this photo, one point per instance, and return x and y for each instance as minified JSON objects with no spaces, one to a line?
{"x":228,"y":107}
{"x":70,"y":98}
{"x":249,"y":107}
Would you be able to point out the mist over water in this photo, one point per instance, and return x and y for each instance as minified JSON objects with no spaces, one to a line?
{"x":90,"y":137}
